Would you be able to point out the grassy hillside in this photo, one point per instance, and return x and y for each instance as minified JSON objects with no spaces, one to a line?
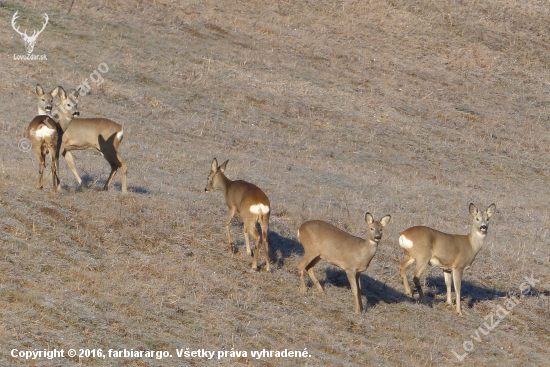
{"x":401,"y":107}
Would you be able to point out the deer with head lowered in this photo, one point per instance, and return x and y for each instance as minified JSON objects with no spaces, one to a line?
{"x":91,"y":133}
{"x":45,"y":100}
{"x":249,"y":201}
{"x":44,"y":133}
{"x":452,"y":253}
{"x":322,"y":240}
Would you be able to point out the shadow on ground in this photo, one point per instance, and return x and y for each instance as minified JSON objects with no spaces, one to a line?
{"x":281,"y":248}
{"x":89,"y":183}
{"x":375,"y":290}
{"x":475,"y":293}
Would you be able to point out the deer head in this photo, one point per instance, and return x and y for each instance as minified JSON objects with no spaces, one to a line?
{"x":30,"y":41}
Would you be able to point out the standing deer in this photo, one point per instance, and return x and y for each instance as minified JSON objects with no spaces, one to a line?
{"x":249,"y":201}
{"x":45,"y":100}
{"x":92,"y":133}
{"x":452,"y":253}
{"x":322,"y":240}
{"x":44,"y":133}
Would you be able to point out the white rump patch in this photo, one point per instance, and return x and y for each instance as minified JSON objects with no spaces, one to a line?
{"x":119,"y":135}
{"x":259,"y":209}
{"x":43,"y":131}
{"x":404,"y":242}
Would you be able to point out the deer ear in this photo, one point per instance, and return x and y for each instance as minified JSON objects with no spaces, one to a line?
{"x":491,"y":210}
{"x":368,"y":218}
{"x":39,"y":90}
{"x":384,"y":221}
{"x":62,"y":93}
{"x":214,"y":165}
{"x":473,"y":210}
{"x":54,"y":92}
{"x":223,"y":165}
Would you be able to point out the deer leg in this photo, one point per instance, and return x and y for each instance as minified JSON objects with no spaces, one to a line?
{"x":264,"y":224}
{"x":457,"y":279}
{"x":358,"y":281}
{"x":112,"y":157}
{"x":70,"y":162}
{"x":227,"y":222}
{"x":114,"y":169}
{"x":307,"y":263}
{"x":40,"y":155}
{"x":251,"y":229}
{"x":353,"y":282}
{"x":110,"y":153}
{"x":246,"y":240}
{"x":311,"y":274}
{"x":402,"y":268}
{"x":116,"y":164}
{"x":448,"y":278}
{"x":123,"y":172}
{"x":121,"y":164}
{"x":420,"y":266}
{"x":55,"y":179}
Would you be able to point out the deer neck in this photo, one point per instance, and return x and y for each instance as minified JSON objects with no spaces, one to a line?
{"x":65,"y":120}
{"x":221,"y":183}
{"x":365,"y":254}
{"x":372,"y":244}
{"x":476,"y":239}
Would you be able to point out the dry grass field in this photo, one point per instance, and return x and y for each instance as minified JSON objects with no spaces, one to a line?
{"x":401,"y":107}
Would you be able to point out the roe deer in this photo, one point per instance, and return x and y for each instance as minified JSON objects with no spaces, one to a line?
{"x":45,"y":100}
{"x":44,"y":134}
{"x":322,"y":240}
{"x":452,"y":253}
{"x":249,"y":201}
{"x":93,"y":133}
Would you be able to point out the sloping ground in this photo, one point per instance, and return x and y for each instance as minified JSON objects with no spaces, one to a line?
{"x":409,"y":108}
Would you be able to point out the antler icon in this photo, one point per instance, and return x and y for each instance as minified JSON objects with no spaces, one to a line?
{"x":30,"y":41}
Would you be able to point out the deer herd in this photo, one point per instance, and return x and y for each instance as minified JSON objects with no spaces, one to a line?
{"x":57,"y":131}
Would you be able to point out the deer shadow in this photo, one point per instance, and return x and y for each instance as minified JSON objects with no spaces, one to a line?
{"x":89,"y":183}
{"x":70,"y":182}
{"x":375,"y":290}
{"x":475,"y":293}
{"x":135,"y":189}
{"x":282,"y":248}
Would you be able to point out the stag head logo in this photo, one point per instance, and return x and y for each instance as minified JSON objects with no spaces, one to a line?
{"x":30,"y":41}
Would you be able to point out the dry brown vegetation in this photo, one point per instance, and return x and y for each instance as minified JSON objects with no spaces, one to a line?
{"x":413,"y":108}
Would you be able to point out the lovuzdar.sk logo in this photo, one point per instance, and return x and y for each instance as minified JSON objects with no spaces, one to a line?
{"x":30,"y":41}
